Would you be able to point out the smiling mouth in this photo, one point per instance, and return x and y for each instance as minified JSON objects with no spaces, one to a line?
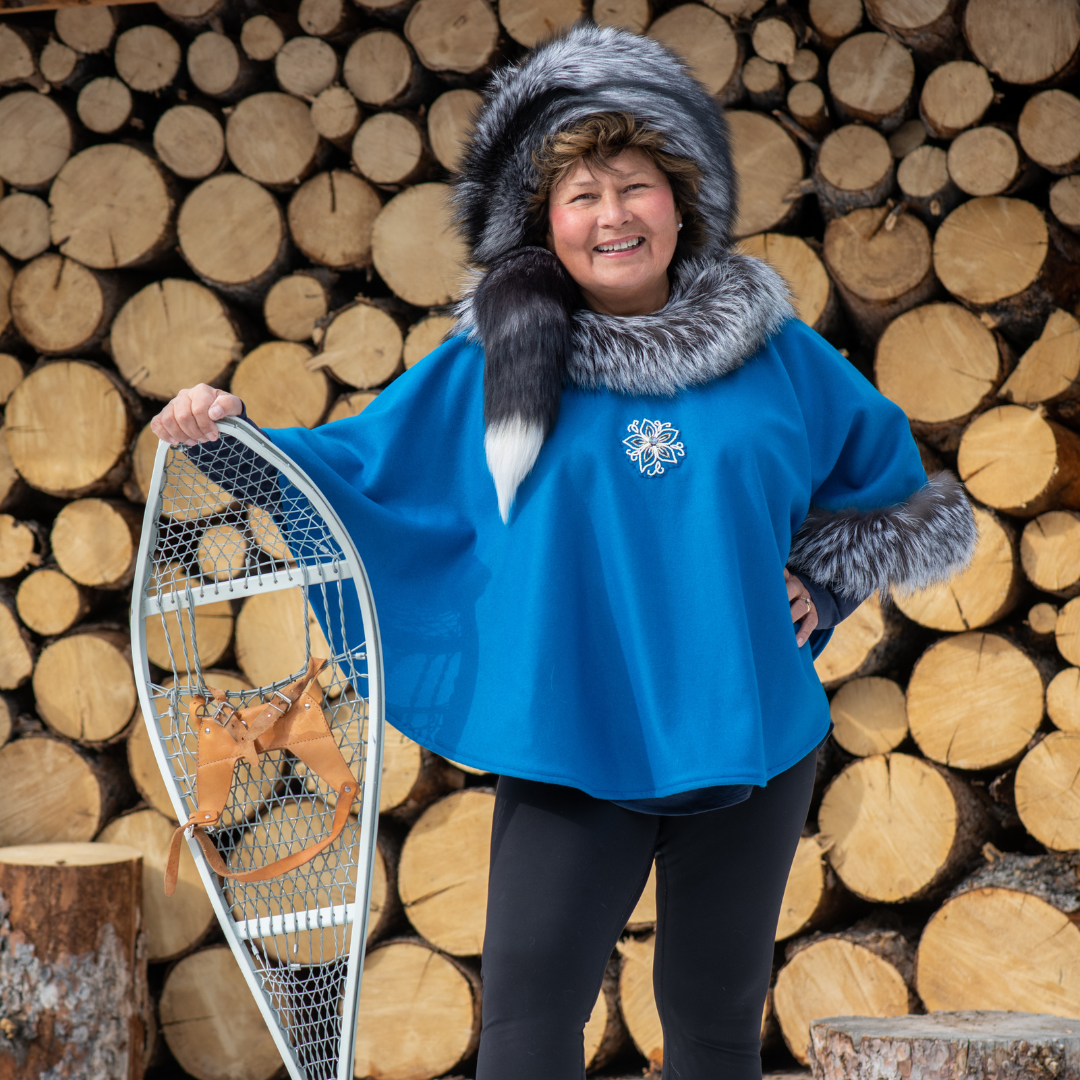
{"x":621,"y":245}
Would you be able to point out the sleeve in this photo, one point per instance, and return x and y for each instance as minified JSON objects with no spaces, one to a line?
{"x":225,"y":462}
{"x":875,"y":521}
{"x":832,"y":608}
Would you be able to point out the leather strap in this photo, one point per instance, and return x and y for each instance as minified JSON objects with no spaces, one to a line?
{"x":297,"y":725}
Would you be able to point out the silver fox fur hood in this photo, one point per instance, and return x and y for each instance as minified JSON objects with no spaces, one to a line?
{"x":537,"y":335}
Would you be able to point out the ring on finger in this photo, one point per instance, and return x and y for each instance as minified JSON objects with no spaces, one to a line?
{"x":809,"y":604}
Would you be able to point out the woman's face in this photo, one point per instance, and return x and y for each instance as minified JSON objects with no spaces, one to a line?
{"x":615,"y":230}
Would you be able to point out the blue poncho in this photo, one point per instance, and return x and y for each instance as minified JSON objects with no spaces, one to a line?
{"x":628,"y":633}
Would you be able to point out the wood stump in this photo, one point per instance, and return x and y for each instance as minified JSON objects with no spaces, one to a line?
{"x":854,"y":168}
{"x":980,"y":595}
{"x":709,"y":46}
{"x":974,"y":700}
{"x":361,"y":345}
{"x":898,"y":828}
{"x":869,"y":716}
{"x":872,"y":78}
{"x":211,"y":1022}
{"x":769,"y":166}
{"x":442,"y":876}
{"x":77,"y":1003}
{"x":294,"y":304}
{"x":277,"y":387}
{"x":33,"y":769}
{"x":331,"y":217}
{"x":419,"y":1012}
{"x":36,"y":138}
{"x":1016,"y":460}
{"x":270,"y":138}
{"x":174,"y":334}
{"x":190,"y":141}
{"x":95,"y":542}
{"x":1023,"y":42}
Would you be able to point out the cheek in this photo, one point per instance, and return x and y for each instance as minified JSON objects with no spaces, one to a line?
{"x":570,"y":231}
{"x":657,"y":210}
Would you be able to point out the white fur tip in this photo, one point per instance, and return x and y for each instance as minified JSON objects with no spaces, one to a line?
{"x":511,"y":447}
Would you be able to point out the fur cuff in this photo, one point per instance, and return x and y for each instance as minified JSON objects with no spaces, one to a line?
{"x":522,"y":309}
{"x":919,"y":542}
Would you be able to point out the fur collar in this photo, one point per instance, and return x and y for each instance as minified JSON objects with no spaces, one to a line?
{"x":720,"y":312}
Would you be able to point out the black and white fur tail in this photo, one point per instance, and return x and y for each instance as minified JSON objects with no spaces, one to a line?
{"x":522,"y":307}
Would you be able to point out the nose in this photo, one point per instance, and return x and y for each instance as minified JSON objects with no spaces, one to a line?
{"x":613,"y":211}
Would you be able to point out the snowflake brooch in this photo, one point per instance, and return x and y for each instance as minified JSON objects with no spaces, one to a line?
{"x":652,"y":445}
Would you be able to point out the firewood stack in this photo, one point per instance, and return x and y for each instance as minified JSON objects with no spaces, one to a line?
{"x":255,"y":196}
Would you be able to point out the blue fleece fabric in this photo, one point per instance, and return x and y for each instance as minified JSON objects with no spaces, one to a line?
{"x":625,"y":634}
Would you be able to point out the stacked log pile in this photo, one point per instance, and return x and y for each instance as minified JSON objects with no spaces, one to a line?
{"x":253,"y":193}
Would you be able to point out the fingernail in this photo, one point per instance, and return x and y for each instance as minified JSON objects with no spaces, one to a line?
{"x":216,"y":412}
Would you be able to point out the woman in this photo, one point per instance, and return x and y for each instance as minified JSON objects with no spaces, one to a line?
{"x":681,"y":471}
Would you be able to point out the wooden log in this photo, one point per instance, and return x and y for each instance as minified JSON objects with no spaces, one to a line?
{"x":1041,"y":620}
{"x":775,"y":37}
{"x":426,"y":336}
{"x":1026,"y":905}
{"x":77,"y":1001}
{"x":449,"y":125}
{"x":202,"y":498}
{"x":632,"y":15}
{"x":984,"y":1041}
{"x":95,"y":542}
{"x":412,"y":778}
{"x":1016,"y":460}
{"x":105,"y":105}
{"x":806,"y":65}
{"x":232,"y":234}
{"x":193,"y":13}
{"x":382,"y":71}
{"x":995,"y":255}
{"x":605,"y":1035}
{"x":1063,"y":696}
{"x":189,"y":140}
{"x":865,"y":971}
{"x":7,"y":276}
{"x":216,"y":67}
{"x":361,"y":345}
{"x":172,"y":646}
{"x":529,"y":22}
{"x":1065,"y":202}
{"x":331,"y":217}
{"x":974,"y":701}
{"x":1050,"y":552}
{"x":261,"y":37}
{"x":36,"y":767}
{"x":1050,"y":369}
{"x":211,"y":1023}
{"x":865,"y":643}
{"x":173,"y":334}
{"x":36,"y":138}
{"x":390,"y":148}
{"x":955,"y":96}
{"x":799,"y":265}
{"x":869,"y":716}
{"x":50,"y":603}
{"x":68,"y":425}
{"x":331,"y":19}
{"x":854,"y":168}
{"x":931,"y":30}
{"x":769,"y":166}
{"x":941,"y":365}
{"x":1049,"y":131}
{"x":419,"y":1012}
{"x":305,"y":67}
{"x":60,"y":65}
{"x":23,"y":544}
{"x":12,"y":374}
{"x":277,"y":387}
{"x":18,"y":58}
{"x":835,"y":20}
{"x":442,"y":876}
{"x":454,"y":36}
{"x":147,"y":58}
{"x":1047,"y":799}
{"x":907,"y":137}
{"x":880,"y":272}
{"x":336,"y":116}
{"x":1067,"y":632}
{"x":872,"y":79}
{"x":174,"y":925}
{"x":270,"y":138}
{"x":764,"y":82}
{"x":294,"y":304}
{"x":222,"y":552}
{"x":60,"y":306}
{"x":813,"y":895}
{"x":351,"y":405}
{"x":17,"y":651}
{"x":8,"y":717}
{"x":112,"y":206}
{"x":86,"y":29}
{"x":1023,"y":42}
{"x":985,"y":161}
{"x":807,"y":106}
{"x":898,"y":828}
{"x":985,"y":592}
{"x":384,"y":907}
{"x":643,"y":917}
{"x":705,"y":40}
{"x":415,"y":248}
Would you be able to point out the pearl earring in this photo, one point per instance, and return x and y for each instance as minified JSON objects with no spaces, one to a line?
{"x":679,"y":226}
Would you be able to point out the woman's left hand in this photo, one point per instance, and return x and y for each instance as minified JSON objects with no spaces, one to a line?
{"x":803,"y":611}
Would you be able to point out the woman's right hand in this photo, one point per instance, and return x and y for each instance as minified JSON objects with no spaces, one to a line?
{"x":189,"y":418}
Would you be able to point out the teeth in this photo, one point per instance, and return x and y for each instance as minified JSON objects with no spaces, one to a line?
{"x":625,"y":245}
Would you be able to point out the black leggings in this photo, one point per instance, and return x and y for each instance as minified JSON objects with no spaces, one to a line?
{"x":566,"y":872}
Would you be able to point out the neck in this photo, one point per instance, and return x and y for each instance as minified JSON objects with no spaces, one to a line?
{"x":642,"y":301}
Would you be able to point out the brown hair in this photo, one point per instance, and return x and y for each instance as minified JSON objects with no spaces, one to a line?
{"x":602,"y":136}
